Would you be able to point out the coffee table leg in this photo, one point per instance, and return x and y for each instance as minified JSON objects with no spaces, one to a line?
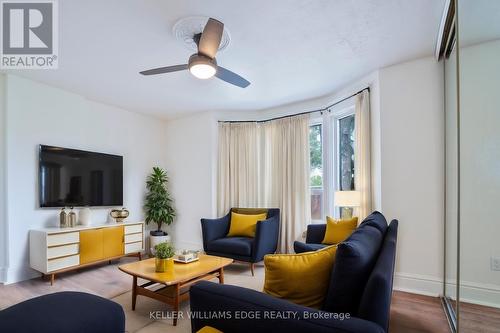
{"x":176,"y":304}
{"x":221,"y":275}
{"x":134,"y":291}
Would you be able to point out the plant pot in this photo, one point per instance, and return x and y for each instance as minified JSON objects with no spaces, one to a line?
{"x":164,"y":265}
{"x":155,"y":240}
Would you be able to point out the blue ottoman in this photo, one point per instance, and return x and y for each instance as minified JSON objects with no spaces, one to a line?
{"x":73,"y":312}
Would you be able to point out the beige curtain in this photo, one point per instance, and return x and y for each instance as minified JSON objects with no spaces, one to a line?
{"x":238,"y":167}
{"x":269,"y":161}
{"x":286,"y":175}
{"x":362,"y":156}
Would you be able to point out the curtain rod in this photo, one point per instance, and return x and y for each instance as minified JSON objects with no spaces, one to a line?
{"x":296,"y":114}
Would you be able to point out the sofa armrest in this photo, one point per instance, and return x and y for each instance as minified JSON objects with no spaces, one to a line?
{"x":315,"y":233}
{"x":213,"y":229}
{"x":266,"y":238}
{"x":235,"y":309}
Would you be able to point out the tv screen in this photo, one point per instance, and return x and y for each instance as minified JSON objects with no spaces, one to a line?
{"x":70,"y":177}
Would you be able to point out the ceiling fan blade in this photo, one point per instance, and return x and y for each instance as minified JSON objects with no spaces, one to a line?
{"x":167,"y":69}
{"x":211,"y":37}
{"x":231,"y":77}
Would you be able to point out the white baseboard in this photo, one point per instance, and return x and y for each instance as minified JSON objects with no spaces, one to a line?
{"x":3,"y":274}
{"x":476,"y":293}
{"x":470,"y":292}
{"x":418,"y":284}
{"x":13,"y":275}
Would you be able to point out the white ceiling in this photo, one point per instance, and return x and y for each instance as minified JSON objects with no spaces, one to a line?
{"x":290,"y":50}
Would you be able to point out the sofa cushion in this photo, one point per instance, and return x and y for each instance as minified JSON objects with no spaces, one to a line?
{"x":244,"y":225}
{"x":376,"y":301}
{"x":377,"y":220}
{"x":300,"y":278}
{"x":338,"y":230}
{"x":233,"y":245}
{"x":354,"y":262}
{"x":300,"y":247}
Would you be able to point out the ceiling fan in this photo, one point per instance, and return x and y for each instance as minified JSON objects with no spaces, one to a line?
{"x":203,"y":64}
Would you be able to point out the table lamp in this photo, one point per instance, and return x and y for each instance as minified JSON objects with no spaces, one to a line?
{"x":347,"y":200}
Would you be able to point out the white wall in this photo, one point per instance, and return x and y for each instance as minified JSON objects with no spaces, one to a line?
{"x":191,"y":147}
{"x":3,"y":161}
{"x":412,"y":147}
{"x":39,"y":114}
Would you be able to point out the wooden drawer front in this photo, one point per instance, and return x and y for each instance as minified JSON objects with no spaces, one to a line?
{"x":133,"y":247}
{"x":133,"y":238}
{"x":61,"y":251}
{"x":133,"y":229}
{"x":65,"y":262}
{"x":63,"y":238}
{"x":91,"y":245}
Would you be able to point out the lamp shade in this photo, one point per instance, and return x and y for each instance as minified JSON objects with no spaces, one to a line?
{"x":347,"y":199}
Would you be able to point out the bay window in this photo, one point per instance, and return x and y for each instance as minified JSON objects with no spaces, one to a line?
{"x":332,"y":151}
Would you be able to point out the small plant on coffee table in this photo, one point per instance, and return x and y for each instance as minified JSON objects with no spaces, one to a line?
{"x":164,"y":251}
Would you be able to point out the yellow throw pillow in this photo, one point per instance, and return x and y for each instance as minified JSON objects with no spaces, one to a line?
{"x":300,"y":278}
{"x":244,"y":225}
{"x":338,"y":230}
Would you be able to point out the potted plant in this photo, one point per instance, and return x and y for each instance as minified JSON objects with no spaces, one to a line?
{"x":164,"y":261}
{"x":158,"y":206}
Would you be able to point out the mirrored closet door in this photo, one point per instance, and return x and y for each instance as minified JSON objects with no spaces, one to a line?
{"x":472,"y":112}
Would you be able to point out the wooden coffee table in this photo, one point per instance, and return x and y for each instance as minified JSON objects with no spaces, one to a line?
{"x":173,"y":287}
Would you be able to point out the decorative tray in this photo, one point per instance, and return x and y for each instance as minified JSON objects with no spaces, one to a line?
{"x":186,"y":261}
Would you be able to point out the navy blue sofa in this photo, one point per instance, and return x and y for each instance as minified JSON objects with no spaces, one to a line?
{"x":314,"y":236}
{"x":64,"y":312}
{"x":245,"y":249}
{"x":358,"y":298}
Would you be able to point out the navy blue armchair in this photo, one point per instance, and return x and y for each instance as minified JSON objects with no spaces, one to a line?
{"x":246,"y":249}
{"x":358,"y":298}
{"x":314,"y":237}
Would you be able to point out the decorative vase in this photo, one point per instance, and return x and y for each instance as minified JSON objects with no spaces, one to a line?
{"x":85,"y":216}
{"x":155,"y":240}
{"x":164,"y":265}
{"x":71,"y":218}
{"x":63,"y":218}
{"x":119,"y":214}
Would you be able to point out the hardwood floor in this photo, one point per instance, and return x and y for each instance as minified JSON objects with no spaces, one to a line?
{"x":477,"y":318}
{"x":410,"y":313}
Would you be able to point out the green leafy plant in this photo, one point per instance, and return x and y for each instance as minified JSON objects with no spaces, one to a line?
{"x":164,"y":251}
{"x":158,"y":204}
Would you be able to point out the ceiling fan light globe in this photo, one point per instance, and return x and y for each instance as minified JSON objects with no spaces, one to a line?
{"x":203,"y":71}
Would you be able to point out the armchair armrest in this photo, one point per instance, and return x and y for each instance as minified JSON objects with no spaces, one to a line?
{"x":266,"y":238}
{"x":315,"y":233}
{"x":235,"y":309}
{"x":213,"y":229}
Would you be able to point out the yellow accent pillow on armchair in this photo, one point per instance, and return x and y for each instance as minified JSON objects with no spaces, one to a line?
{"x":244,"y":225}
{"x":300,"y":278}
{"x":337,"y":231}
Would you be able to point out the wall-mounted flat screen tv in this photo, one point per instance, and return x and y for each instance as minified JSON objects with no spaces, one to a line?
{"x":70,"y":177}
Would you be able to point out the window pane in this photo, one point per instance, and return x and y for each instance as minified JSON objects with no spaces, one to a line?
{"x":346,"y":153}
{"x":316,"y":171}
